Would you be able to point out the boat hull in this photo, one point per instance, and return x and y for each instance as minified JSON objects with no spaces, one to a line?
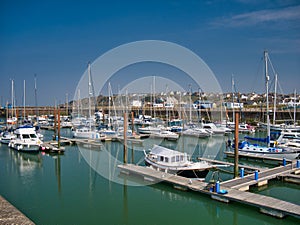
{"x":25,"y":147}
{"x":290,"y":155}
{"x":189,"y":173}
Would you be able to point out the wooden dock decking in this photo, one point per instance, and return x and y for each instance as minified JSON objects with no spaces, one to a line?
{"x":267,"y":205}
{"x":263,"y":177}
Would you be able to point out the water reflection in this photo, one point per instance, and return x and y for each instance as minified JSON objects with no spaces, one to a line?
{"x":25,"y":163}
{"x":58,"y":172}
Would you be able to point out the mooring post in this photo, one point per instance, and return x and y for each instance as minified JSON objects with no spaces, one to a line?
{"x":125,"y":139}
{"x":236,"y":146}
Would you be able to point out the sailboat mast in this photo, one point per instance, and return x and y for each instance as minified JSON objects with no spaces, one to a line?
{"x":200,"y":116}
{"x":24,"y":101}
{"x":295,"y":107}
{"x":89,"y":75}
{"x":190,"y":90}
{"x":109,"y":97}
{"x":35,"y":95}
{"x":275,"y":99}
{"x":267,"y":97}
{"x":233,"y":96}
{"x":12,"y":98}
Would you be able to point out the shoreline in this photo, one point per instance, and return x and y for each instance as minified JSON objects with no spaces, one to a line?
{"x":9,"y":214}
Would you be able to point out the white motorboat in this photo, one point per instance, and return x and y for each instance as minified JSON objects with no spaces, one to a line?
{"x":149,"y":130}
{"x":287,"y":137}
{"x":108,"y":133}
{"x":211,"y":127}
{"x":197,"y":132}
{"x":291,"y":145}
{"x":6,"y":137}
{"x":175,"y":162}
{"x":26,"y":139}
{"x":165,"y":134}
{"x":85,"y":132}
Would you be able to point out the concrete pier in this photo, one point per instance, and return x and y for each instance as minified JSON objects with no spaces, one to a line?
{"x":10,"y":215}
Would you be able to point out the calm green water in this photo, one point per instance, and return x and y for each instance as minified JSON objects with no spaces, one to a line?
{"x":68,"y":189}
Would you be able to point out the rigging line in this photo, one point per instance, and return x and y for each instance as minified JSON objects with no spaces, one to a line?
{"x":93,"y":90}
{"x":269,"y":60}
{"x":258,"y":74}
{"x":289,"y":110}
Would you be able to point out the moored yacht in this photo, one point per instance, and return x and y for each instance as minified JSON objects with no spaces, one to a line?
{"x":85,"y":132}
{"x":6,"y":137}
{"x":26,"y":139}
{"x":211,"y":127}
{"x":165,"y":134}
{"x":255,"y":149}
{"x":175,"y":162}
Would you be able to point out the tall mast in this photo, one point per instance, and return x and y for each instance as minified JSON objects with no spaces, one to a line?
{"x":233,"y":96}
{"x":275,"y":98}
{"x":109,"y":105}
{"x":267,"y":97}
{"x":89,"y":75}
{"x":12,"y":98}
{"x":154,"y":115}
{"x":295,"y":108}
{"x":67,"y":104}
{"x":190,"y":90}
{"x":24,"y":101}
{"x":35,"y":95}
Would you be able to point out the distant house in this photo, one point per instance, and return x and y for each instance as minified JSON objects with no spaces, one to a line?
{"x":233,"y":105}
{"x":202,"y":104}
{"x":136,"y":103}
{"x":290,"y":101}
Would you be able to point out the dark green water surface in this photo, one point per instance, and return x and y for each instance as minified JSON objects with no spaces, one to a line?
{"x":69,"y":189}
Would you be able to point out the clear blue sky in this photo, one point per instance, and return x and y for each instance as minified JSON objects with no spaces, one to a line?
{"x":56,"y":39}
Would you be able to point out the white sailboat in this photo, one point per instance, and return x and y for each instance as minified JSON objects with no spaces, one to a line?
{"x":12,"y":120}
{"x":87,"y":131}
{"x":255,"y":149}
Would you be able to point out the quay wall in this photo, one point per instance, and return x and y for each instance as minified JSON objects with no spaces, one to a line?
{"x":247,"y":114}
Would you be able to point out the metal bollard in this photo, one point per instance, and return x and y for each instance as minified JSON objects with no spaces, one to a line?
{"x":242,"y":173}
{"x":256,"y":175}
{"x":284,"y":162}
